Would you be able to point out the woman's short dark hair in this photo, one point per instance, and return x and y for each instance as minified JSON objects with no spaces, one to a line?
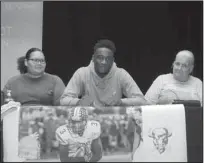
{"x":106,"y":44}
{"x":20,"y":61}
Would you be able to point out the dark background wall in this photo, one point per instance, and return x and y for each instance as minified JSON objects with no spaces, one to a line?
{"x":147,"y":35}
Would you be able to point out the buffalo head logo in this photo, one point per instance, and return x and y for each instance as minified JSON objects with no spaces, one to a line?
{"x":160,"y":138}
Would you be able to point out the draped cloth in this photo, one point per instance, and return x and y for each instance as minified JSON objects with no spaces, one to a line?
{"x":163,"y":133}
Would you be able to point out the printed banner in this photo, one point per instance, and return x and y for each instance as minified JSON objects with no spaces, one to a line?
{"x":163,"y":134}
{"x":36,"y":126}
{"x":29,"y":133}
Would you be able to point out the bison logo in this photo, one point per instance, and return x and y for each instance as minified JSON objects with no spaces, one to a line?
{"x":160,"y":138}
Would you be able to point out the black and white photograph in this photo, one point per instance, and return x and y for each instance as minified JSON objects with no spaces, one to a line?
{"x":102,"y":81}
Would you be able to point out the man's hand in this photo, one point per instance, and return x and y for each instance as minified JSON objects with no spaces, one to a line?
{"x":167,"y":97}
{"x":113,"y":102}
{"x":85,"y":101}
{"x":165,"y":100}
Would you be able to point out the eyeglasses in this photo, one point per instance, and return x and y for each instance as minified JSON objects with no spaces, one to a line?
{"x":41,"y":61}
{"x":183,"y":66}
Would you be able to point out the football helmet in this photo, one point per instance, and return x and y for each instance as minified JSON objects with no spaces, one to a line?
{"x":78,"y":117}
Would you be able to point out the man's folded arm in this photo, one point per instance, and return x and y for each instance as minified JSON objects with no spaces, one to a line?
{"x":138,"y":100}
{"x":134,"y":96}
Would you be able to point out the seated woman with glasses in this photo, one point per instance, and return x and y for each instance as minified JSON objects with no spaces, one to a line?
{"x":179,"y":85}
{"x":34,"y":85}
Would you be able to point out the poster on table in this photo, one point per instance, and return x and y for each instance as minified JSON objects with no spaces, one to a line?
{"x":163,"y":134}
{"x":29,"y":133}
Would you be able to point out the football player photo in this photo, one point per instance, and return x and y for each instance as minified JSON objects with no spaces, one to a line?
{"x":79,"y":139}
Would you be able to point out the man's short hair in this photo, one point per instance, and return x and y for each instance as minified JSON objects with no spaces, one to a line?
{"x":188,"y":54}
{"x":105,"y":43}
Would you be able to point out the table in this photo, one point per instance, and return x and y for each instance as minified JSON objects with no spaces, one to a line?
{"x":194,"y":127}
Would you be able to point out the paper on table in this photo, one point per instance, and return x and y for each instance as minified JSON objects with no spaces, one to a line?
{"x":8,"y":108}
{"x":10,"y":133}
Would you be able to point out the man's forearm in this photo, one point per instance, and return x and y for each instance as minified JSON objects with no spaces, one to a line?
{"x":69,"y":101}
{"x":136,"y":101}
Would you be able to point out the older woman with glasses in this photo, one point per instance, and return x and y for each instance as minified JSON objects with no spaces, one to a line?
{"x":34,"y":85}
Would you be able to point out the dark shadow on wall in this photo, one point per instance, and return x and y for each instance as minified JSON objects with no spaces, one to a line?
{"x":147,"y":35}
